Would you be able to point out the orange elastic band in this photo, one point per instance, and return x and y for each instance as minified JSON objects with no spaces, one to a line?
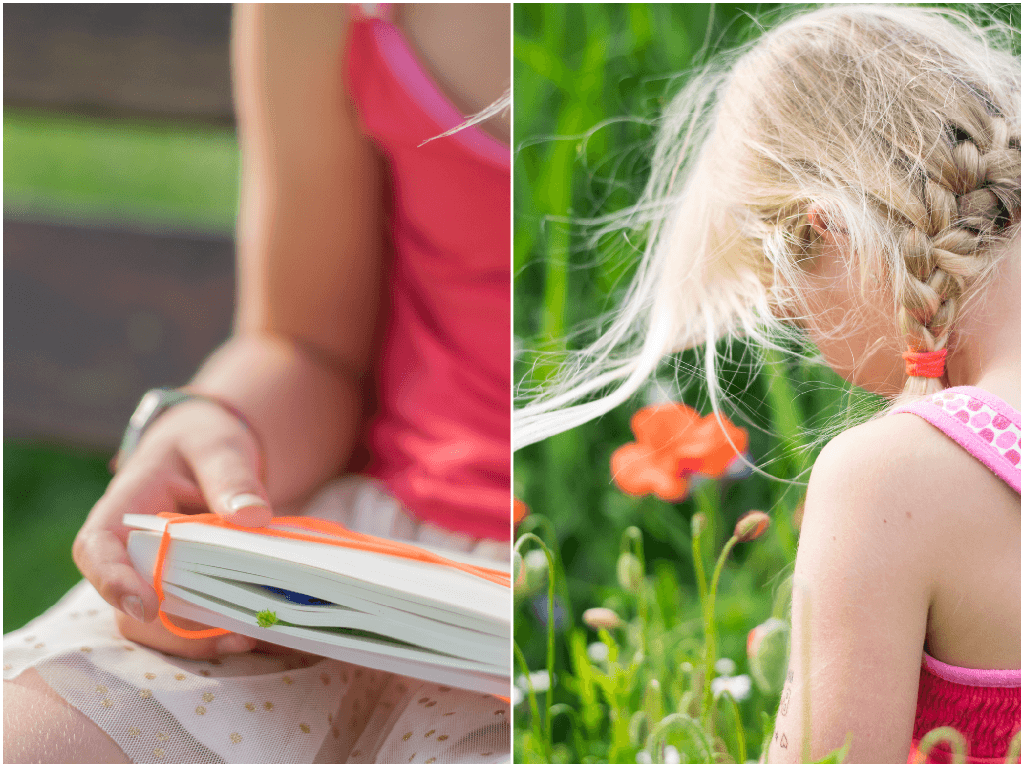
{"x":351,"y":540}
{"x":925,"y":364}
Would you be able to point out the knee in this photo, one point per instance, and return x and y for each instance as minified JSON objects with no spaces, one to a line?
{"x":40,"y":727}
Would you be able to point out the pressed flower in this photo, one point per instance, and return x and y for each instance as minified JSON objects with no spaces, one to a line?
{"x":752,"y":525}
{"x":674,"y":442}
{"x":601,"y":618}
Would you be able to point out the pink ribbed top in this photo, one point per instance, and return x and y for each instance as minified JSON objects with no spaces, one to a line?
{"x":982,"y":704}
{"x":440,"y":439}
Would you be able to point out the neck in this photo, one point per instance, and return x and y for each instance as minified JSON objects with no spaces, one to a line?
{"x":987,"y":350}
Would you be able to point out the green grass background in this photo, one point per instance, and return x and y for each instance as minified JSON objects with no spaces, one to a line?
{"x":163,"y":175}
{"x":590,"y":80}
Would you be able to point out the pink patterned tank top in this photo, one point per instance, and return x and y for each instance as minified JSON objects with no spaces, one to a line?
{"x":440,"y":437}
{"x":983,"y":705}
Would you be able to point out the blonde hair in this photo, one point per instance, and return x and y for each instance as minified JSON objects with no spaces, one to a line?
{"x":899,"y":124}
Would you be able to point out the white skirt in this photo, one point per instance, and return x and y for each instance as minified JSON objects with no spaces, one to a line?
{"x":256,"y":707}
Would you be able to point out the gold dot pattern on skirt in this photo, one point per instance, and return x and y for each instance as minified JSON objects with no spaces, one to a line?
{"x":200,"y":710}
{"x":325,"y":679}
{"x":268,"y":706}
{"x":134,"y":732}
{"x":330,"y":717}
{"x":413,"y":756}
{"x":344,"y":677}
{"x":499,"y":712}
{"x":8,"y":667}
{"x":158,"y":753}
{"x":162,"y":736}
{"x":215,"y":661}
{"x":487,"y":753}
{"x":250,"y":706}
{"x":208,"y":697}
{"x":445,"y":689}
{"x":450,"y":713}
{"x":74,"y":615}
{"x":30,"y":639}
{"x":304,"y":727}
{"x":145,"y":693}
{"x":407,"y":735}
{"x":430,"y":705}
{"x":92,"y":612}
{"x":422,"y":700}
{"x":204,"y":672}
{"x":39,"y":645}
{"x":101,"y":689}
{"x":429,"y":733}
{"x":287,"y":679}
{"x":106,"y":703}
{"x":84,"y":649}
{"x":442,"y":738}
{"x":431,"y":760}
{"x":336,"y":733}
{"x":236,"y":738}
{"x":179,"y":677}
{"x":357,"y":752}
{"x":129,"y":648}
{"x":149,"y":675}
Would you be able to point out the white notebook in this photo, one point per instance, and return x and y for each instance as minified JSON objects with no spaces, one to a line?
{"x":386,"y":612}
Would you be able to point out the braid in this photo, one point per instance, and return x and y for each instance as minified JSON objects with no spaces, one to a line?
{"x":972,"y":196}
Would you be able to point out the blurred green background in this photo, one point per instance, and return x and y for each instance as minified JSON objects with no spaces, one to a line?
{"x":590,"y":81}
{"x":160,"y":174}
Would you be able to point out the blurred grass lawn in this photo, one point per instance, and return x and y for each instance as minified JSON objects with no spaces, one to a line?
{"x":75,"y":169}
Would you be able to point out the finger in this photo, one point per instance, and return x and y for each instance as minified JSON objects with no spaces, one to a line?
{"x":227,"y":474}
{"x":155,"y":635}
{"x":103,"y":559}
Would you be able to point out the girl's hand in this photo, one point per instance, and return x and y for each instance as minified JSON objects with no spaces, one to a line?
{"x":196,"y":457}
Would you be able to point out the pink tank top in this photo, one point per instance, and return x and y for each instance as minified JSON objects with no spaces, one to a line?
{"x":440,"y":437}
{"x":983,"y":705}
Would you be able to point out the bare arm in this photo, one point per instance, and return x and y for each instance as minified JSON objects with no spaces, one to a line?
{"x":862,"y":589}
{"x":309,"y":246}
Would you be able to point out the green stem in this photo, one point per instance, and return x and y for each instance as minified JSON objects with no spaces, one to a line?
{"x":532,"y":697}
{"x":550,"y":661}
{"x":741,"y":744}
{"x":709,"y":623}
{"x":634,"y":539}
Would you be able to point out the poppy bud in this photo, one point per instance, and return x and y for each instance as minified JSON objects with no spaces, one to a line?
{"x":519,"y":510}
{"x":697,"y":524}
{"x":630,"y":572}
{"x":751,"y":525}
{"x":768,"y":654}
{"x":601,"y":618}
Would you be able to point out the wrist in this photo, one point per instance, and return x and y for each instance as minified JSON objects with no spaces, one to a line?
{"x":156,"y":402}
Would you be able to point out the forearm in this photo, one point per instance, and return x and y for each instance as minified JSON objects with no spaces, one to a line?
{"x":305,"y":411}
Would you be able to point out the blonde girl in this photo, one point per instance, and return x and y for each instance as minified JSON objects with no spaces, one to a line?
{"x":373,"y":312}
{"x":855,"y":175}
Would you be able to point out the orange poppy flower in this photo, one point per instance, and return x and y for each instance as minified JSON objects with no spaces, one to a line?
{"x":673,"y":442}
{"x":519,"y":510}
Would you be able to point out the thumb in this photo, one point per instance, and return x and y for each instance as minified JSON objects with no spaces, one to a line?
{"x":227,"y":475}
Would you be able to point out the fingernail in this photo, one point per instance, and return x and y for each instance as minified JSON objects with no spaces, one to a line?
{"x":132,"y":605}
{"x":243,"y":500}
{"x":235,"y":643}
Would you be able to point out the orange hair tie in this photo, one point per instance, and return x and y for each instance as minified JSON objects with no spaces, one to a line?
{"x":925,"y":364}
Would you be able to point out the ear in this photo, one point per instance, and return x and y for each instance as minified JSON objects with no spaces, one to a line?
{"x":822,"y":226}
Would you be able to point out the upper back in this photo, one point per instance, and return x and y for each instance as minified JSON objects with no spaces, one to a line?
{"x":972,"y":441}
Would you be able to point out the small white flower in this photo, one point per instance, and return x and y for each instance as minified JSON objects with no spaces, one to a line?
{"x":535,"y":559}
{"x":671,"y":755}
{"x":518,"y":696}
{"x":725,"y":666}
{"x":642,"y":757}
{"x":737,"y":686}
{"x":597,"y":652}
{"x":539,"y":679}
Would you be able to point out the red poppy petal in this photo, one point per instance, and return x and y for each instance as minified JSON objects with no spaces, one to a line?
{"x":663,"y":425}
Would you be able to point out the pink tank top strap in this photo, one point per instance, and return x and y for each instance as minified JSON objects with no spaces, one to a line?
{"x":981,"y":423}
